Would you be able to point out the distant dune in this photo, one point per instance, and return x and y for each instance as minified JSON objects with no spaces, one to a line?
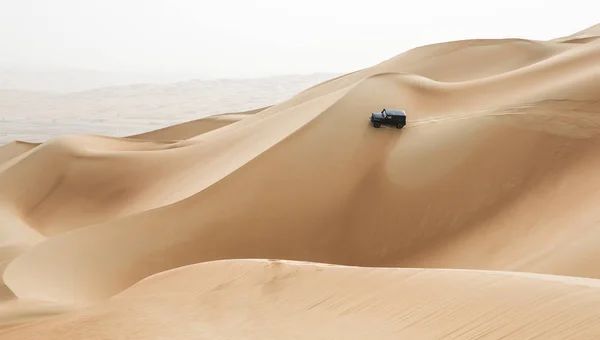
{"x":137,"y":108}
{"x":477,"y":220}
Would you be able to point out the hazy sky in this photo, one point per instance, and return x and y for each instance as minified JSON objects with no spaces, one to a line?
{"x":239,"y":38}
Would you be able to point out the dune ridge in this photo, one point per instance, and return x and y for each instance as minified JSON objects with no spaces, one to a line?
{"x":476,"y":220}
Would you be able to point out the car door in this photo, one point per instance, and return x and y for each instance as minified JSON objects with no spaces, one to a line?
{"x":389,"y":119}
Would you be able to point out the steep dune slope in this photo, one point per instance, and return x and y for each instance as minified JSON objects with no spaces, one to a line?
{"x":267,"y":299}
{"x":352,"y":194}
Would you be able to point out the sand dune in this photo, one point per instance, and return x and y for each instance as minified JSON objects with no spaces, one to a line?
{"x":584,"y":36}
{"x":14,"y":149}
{"x":195,"y":128}
{"x":495,"y":172}
{"x":270,"y":299}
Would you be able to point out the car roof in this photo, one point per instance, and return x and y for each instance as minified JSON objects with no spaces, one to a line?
{"x":395,"y":112}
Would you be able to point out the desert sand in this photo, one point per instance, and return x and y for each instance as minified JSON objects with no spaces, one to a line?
{"x":299,"y":220}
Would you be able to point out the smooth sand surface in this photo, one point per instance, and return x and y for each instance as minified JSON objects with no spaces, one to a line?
{"x":238,"y":299}
{"x":478,"y":220}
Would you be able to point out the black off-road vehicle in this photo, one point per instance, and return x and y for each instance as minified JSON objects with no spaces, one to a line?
{"x":395,"y":118}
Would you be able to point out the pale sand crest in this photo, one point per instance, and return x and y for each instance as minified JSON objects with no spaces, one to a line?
{"x":148,"y":236}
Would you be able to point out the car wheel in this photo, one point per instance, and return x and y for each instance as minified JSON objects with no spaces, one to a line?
{"x":376,"y":125}
{"x":399,"y":126}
